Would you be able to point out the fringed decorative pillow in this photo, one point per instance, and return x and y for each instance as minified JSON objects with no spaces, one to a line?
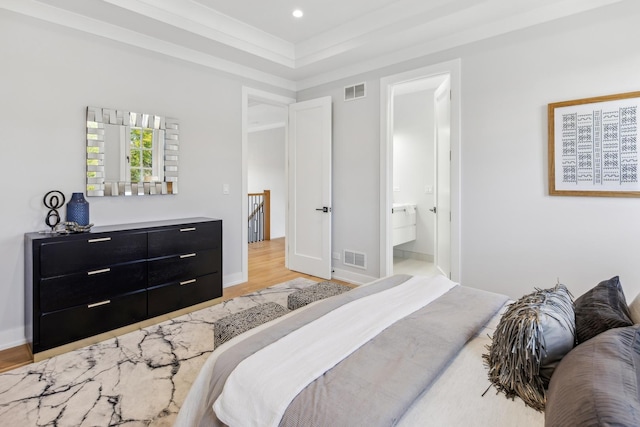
{"x":533,"y":335}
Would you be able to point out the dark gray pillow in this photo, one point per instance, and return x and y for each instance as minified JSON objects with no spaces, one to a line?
{"x":600,"y":309}
{"x":533,"y":335}
{"x":596,"y":384}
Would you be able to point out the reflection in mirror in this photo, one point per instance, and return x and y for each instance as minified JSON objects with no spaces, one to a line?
{"x":131,"y":153}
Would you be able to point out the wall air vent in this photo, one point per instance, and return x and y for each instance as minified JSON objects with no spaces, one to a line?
{"x":355,"y":92}
{"x":355,"y":259}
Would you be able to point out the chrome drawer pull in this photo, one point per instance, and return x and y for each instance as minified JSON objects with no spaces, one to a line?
{"x":108,"y":301}
{"x":188,"y":229}
{"x":187,"y":255}
{"x":186,"y":282}
{"x":104,"y":270}
{"x":101,"y":239}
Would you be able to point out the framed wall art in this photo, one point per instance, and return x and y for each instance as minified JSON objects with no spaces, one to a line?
{"x":593,"y":146}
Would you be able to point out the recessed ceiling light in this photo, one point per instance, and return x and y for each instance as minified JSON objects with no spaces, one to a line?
{"x":297,"y":13}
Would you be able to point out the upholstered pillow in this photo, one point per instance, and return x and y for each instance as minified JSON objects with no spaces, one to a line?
{"x":596,"y":384}
{"x":601,"y":308}
{"x":533,"y":335}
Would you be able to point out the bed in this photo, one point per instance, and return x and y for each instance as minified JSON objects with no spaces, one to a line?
{"x":403,"y":350}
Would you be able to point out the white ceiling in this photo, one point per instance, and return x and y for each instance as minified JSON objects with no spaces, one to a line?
{"x":274,"y":16}
{"x":261,"y":40}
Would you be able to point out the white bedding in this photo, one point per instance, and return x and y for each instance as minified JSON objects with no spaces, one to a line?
{"x":299,"y":358}
{"x":455,"y":399}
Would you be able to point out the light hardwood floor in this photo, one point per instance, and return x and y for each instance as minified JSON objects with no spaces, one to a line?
{"x":266,"y":268}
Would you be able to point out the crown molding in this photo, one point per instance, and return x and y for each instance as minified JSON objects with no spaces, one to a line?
{"x":402,"y":31}
{"x":199,"y":19}
{"x":55,"y":15}
{"x":502,"y":25}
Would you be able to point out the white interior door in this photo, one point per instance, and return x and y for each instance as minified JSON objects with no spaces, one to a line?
{"x":308,"y":234}
{"x":443,"y":178}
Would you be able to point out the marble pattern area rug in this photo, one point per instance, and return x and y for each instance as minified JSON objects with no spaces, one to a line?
{"x":137,"y":379}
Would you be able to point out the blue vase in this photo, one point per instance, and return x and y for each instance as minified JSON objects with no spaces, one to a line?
{"x":78,"y":209}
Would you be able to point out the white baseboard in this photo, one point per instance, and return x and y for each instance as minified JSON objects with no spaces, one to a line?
{"x":12,"y":338}
{"x":351,"y":277}
{"x":232,"y":280}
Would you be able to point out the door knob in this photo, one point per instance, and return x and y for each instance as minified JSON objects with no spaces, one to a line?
{"x":324,"y":209}
{"x":433,"y":210}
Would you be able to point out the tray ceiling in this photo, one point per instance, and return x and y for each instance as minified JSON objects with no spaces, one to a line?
{"x":261,"y":40}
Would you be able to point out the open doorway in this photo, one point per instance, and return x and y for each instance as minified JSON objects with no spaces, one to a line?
{"x":266,"y":170}
{"x":264,"y":120}
{"x":419,"y":171}
{"x":414,"y":164}
{"x":308,"y":172}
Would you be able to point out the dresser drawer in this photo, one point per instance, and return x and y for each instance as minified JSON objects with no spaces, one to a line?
{"x":174,"y":296}
{"x":64,"y":326}
{"x":182,"y":267}
{"x":61,"y":292}
{"x":185,"y":239}
{"x":91,"y":252}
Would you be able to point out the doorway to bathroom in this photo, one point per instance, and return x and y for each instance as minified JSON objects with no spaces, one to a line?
{"x":419,"y":162}
{"x":414,"y":210}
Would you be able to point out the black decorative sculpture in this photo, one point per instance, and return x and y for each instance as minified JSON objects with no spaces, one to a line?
{"x":53,"y":200}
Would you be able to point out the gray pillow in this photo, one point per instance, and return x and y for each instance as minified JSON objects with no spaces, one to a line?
{"x":601,"y":308}
{"x":533,"y":335}
{"x":596,"y":384}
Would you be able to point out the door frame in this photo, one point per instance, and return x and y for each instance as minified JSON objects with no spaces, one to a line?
{"x":386,"y":160}
{"x":442,"y":175}
{"x":249,"y":93}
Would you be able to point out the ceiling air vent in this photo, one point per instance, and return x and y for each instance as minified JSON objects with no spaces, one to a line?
{"x":355,"y":259}
{"x":354,"y":92}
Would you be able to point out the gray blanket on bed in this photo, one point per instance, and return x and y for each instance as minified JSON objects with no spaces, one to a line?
{"x":378,"y":383}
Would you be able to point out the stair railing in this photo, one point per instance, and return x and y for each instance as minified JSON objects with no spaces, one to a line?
{"x":259,"y":216}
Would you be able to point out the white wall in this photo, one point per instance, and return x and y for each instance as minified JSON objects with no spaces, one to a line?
{"x":266,"y":171}
{"x":414,"y":164}
{"x":355,"y":177}
{"x":49,"y":76}
{"x":514,"y":236}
